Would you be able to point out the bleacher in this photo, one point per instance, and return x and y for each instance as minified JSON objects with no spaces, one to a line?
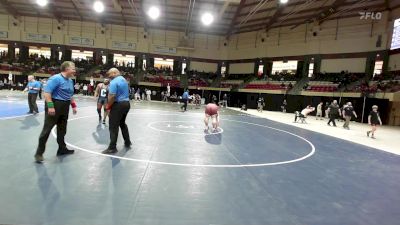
{"x":50,"y":70}
{"x":14,"y":67}
{"x":322,"y":86}
{"x":283,"y":77}
{"x":163,"y":80}
{"x":102,"y":71}
{"x":230,"y":83}
{"x":381,"y":86}
{"x":198,"y":82}
{"x":270,"y":85}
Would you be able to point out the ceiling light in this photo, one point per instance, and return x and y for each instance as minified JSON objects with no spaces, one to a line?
{"x":42,"y":3}
{"x":207,"y":18}
{"x":283,"y":1}
{"x":98,"y":6}
{"x":153,"y":13}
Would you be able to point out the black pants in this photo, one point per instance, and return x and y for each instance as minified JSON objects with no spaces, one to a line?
{"x":117,"y":118}
{"x":60,"y":119}
{"x":185,"y":102}
{"x":40,"y":94}
{"x":32,"y":102}
{"x":299,"y":115}
{"x":332,"y":119}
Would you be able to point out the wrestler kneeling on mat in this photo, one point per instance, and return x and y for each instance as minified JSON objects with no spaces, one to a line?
{"x":102,"y":93}
{"x":212,"y":111}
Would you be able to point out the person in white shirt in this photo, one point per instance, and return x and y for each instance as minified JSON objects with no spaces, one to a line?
{"x":304,"y":112}
{"x":148,"y":93}
{"x":76,"y":86}
{"x":319,"y":111}
{"x":137,"y":94}
{"x":168,"y":94}
{"x":85,"y":89}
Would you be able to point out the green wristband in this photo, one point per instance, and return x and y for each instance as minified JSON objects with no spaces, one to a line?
{"x":50,"y":104}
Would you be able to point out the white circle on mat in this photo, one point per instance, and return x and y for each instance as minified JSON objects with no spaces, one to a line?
{"x":182,"y":127}
{"x":312,"y":151}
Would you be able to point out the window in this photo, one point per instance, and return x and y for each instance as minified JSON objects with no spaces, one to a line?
{"x":183,"y":68}
{"x":284,"y":67}
{"x":79,"y":55}
{"x":223,"y":71}
{"x":163,"y":63}
{"x":3,"y":48}
{"x":16,"y":51}
{"x":104,"y":59}
{"x":260,"y":71}
{"x":124,"y":60}
{"x":378,"y":67}
{"x":144,"y":65}
{"x":310,"y":69}
{"x":45,"y":52}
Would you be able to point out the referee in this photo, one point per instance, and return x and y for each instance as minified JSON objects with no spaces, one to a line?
{"x":185,"y":99}
{"x":119,"y":106}
{"x":58,"y":96}
{"x":33,"y":87}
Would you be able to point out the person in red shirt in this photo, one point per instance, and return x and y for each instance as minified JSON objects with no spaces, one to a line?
{"x":212,"y":111}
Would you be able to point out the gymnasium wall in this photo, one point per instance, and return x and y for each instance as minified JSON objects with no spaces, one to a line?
{"x":241,"y":68}
{"x":205,"y":46}
{"x":394,"y":62}
{"x":337,"y":36}
{"x":203,"y":66}
{"x":355,"y":65}
{"x":346,"y":35}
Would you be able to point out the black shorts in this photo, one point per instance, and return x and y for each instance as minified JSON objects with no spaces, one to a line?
{"x":102,"y":101}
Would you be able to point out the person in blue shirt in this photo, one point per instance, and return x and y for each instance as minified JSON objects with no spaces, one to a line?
{"x":118,"y":106}
{"x":58,"y":96}
{"x":33,"y":88}
{"x":185,"y":99}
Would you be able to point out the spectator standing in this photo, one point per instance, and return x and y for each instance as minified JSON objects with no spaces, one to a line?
{"x":374,"y":120}
{"x":40,"y":90}
{"x":85,"y":89}
{"x":137,"y":94}
{"x":76,"y":86}
{"x":225,"y":100}
{"x":348,"y":112}
{"x":319,"y":111}
{"x":144,"y":94}
{"x":260,"y":104}
{"x":334,"y":113}
{"x":284,"y":105}
{"x":214,"y":98}
{"x":327,"y":109}
{"x":148,"y":94}
{"x":168,"y":91}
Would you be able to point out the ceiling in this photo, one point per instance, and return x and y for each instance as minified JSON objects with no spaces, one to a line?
{"x":232,"y":16}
